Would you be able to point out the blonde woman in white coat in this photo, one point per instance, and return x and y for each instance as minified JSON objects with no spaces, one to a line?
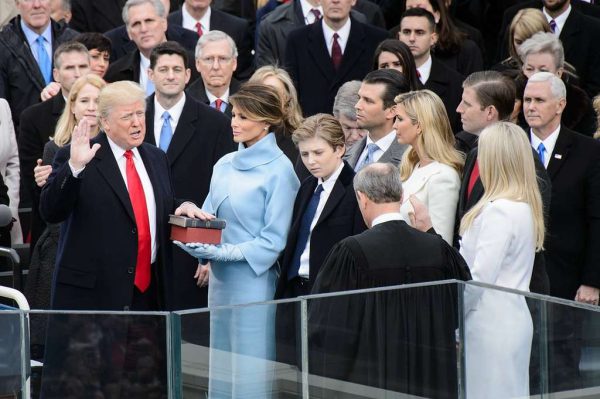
{"x":9,"y":166}
{"x":430,"y":169}
{"x":500,"y":236}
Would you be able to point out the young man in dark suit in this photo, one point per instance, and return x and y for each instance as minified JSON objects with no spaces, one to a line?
{"x":200,"y":12}
{"x":417,"y":31}
{"x":194,"y":137}
{"x":572,"y":256}
{"x":323,"y":56}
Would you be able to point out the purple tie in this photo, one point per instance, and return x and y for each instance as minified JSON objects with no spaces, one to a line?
{"x":553,"y":25}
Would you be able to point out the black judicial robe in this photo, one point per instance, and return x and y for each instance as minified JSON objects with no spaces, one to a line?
{"x":400,"y":340}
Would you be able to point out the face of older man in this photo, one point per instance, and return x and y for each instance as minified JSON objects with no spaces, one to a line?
{"x":35,"y":14}
{"x":216,"y":65}
{"x":126,"y":124}
{"x":336,"y":12}
{"x":541,"y":108}
{"x":146,"y":28}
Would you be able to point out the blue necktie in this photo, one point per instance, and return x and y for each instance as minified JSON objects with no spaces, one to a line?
{"x":370,"y":158}
{"x":166,"y":132}
{"x":540,"y":151}
{"x":304,"y":231}
{"x":553,"y":26}
{"x":44,"y":60}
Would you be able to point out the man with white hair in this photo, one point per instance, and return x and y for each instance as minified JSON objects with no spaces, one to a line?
{"x":572,"y":256}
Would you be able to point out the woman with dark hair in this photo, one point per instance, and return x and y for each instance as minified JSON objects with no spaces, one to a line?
{"x":253,"y":189}
{"x":98,"y":46}
{"x":454,"y":48}
{"x":392,"y":53}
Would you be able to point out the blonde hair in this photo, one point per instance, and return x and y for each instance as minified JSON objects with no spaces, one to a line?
{"x":525,"y":24}
{"x":292,"y":107}
{"x":436,"y":140}
{"x":123,"y":92}
{"x":507,"y":171}
{"x":323,"y":126}
{"x":66,"y":123}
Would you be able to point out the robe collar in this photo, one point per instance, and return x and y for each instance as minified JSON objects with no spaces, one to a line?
{"x":261,"y":153}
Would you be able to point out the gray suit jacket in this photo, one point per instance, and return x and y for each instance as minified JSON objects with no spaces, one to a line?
{"x":393,"y":154}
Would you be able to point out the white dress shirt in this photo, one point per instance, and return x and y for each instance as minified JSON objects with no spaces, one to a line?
{"x":343,"y":34}
{"x":560,"y":20}
{"x":309,"y":17}
{"x":386,"y":217}
{"x":549,"y":144}
{"x":32,"y":36}
{"x":144,"y":65}
{"x":189,"y":22}
{"x":383,"y":143}
{"x":174,"y":111}
{"x":328,"y":184}
{"x":425,"y":70}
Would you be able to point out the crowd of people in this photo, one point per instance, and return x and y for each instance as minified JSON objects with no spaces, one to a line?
{"x":347,"y":143}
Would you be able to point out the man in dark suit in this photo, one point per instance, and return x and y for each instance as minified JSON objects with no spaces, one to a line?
{"x":194,"y":12}
{"x":417,"y":31}
{"x":146,"y":25}
{"x":119,"y":191}
{"x":323,"y":56}
{"x":22,"y":77}
{"x":572,"y":256}
{"x":216,"y":60}
{"x":375,"y":113}
{"x":71,"y":60}
{"x":348,"y":332}
{"x":195,"y":137}
{"x":577,"y":23}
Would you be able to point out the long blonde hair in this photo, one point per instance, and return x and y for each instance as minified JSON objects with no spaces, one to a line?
{"x":436,"y":140}
{"x":507,"y":171}
{"x":66,"y":123}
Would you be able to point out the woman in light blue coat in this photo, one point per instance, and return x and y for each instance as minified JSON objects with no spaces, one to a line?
{"x":253,"y":189}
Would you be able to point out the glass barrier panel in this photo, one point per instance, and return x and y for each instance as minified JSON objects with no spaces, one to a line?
{"x":100,"y":354}
{"x":13,"y":353}
{"x":385,"y":343}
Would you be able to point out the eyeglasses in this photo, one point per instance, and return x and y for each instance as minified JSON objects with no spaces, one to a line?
{"x":211,"y":60}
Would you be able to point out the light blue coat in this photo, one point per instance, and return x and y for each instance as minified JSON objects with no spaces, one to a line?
{"x":253,"y":189}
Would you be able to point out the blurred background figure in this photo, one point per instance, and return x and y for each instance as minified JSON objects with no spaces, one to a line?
{"x":344,"y":111}
{"x":10,"y":171}
{"x":394,"y":54}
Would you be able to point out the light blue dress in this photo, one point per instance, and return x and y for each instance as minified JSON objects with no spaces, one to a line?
{"x":253,"y":189}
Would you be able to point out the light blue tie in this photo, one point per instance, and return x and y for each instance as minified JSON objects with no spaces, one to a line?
{"x":44,"y":60}
{"x":166,"y":132}
{"x":541,"y":149}
{"x":370,"y":158}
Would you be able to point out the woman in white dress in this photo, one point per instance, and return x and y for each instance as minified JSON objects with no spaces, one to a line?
{"x":500,"y":236}
{"x":430,"y":169}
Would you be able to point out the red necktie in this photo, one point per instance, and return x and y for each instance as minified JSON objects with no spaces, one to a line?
{"x":473,"y":179}
{"x":218,"y":103}
{"x":199,"y":29}
{"x":317,"y":14}
{"x":140,"y":210}
{"x":336,"y":52}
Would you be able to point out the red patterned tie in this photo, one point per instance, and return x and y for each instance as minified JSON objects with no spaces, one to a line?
{"x":140,"y":210}
{"x":317,"y":14}
{"x":473,"y":179}
{"x":199,"y":29}
{"x":218,"y":103}
{"x":336,"y":52}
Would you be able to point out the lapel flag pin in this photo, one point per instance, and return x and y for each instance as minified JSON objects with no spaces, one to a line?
{"x":558,"y":156}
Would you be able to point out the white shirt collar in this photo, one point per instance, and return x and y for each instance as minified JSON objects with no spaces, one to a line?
{"x":425,"y":70}
{"x":343,"y":34}
{"x":549,"y":144}
{"x":212,"y":97}
{"x":144,"y":65}
{"x":309,"y":17}
{"x":386,"y":217}
{"x":189,"y":22}
{"x":329,"y":183}
{"x":175,"y":111}
{"x":119,"y":152}
{"x":383,"y":143}
{"x":560,"y":20}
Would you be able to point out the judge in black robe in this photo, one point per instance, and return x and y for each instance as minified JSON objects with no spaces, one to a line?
{"x":402,"y":339}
